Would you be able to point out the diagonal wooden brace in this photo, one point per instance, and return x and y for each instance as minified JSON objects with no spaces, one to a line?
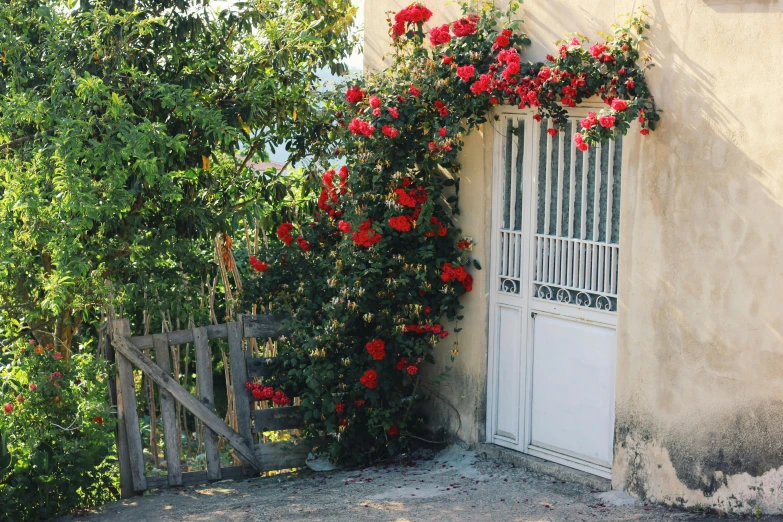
{"x":167,"y":382}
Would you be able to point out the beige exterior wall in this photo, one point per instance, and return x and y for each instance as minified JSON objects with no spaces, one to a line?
{"x":700,"y":335}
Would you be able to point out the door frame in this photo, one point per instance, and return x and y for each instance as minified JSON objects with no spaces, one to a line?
{"x":523,"y":303}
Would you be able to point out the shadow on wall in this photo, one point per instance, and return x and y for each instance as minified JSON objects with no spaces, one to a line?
{"x":745,"y":6}
{"x":703,"y":396}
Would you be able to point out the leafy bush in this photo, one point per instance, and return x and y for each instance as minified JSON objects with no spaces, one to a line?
{"x":57,"y":444}
{"x":367,"y":281}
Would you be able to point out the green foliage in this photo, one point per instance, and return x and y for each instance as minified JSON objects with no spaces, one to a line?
{"x":368,"y":280}
{"x":127,"y":131}
{"x":57,"y":436}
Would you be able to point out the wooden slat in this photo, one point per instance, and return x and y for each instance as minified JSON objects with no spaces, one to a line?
{"x":120,"y":434}
{"x":168,"y":410}
{"x":274,"y":419}
{"x":193,"y":478}
{"x":205,"y":392}
{"x":282,"y":455}
{"x":215,"y":331}
{"x":239,"y":379}
{"x":187,"y":400}
{"x":135,"y":452}
{"x":260,"y":366}
{"x":264,"y":326}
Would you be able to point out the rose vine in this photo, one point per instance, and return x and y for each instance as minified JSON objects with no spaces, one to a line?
{"x":372,"y":274}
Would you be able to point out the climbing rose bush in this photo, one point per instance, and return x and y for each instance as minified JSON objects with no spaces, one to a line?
{"x":374,"y":278}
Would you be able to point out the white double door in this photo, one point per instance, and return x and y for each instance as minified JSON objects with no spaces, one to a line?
{"x":553,"y":298}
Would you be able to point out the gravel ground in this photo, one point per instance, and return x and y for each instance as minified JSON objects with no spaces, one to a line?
{"x":453,"y":485}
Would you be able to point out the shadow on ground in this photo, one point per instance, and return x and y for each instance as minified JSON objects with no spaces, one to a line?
{"x":454,"y":485}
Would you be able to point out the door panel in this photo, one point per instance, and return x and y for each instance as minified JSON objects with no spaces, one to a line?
{"x":573,"y":388}
{"x":509,"y":350}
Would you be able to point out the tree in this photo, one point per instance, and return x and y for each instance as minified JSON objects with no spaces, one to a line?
{"x":126,"y":132}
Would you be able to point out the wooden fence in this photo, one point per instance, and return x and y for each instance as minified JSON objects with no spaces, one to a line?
{"x":128,"y":351}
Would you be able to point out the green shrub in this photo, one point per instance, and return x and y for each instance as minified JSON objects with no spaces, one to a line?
{"x":56,"y":445}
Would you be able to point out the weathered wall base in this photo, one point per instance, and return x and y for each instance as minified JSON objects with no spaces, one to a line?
{"x":731,"y":462}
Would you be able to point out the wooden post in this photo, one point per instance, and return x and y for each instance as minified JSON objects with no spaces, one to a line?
{"x":120,"y":435}
{"x":133,"y":433}
{"x":169,"y":413}
{"x":205,"y":392}
{"x":239,"y":378}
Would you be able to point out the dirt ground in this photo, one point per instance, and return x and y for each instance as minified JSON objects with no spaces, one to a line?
{"x":454,"y":485}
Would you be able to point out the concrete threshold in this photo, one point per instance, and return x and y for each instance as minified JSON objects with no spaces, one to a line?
{"x":537,"y":465}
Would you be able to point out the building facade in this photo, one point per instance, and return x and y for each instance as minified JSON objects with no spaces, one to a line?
{"x":626,"y":322}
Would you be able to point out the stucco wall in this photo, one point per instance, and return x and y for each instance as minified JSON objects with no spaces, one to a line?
{"x":700,"y":336}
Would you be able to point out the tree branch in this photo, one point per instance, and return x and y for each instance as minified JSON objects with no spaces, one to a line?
{"x":15,"y":142}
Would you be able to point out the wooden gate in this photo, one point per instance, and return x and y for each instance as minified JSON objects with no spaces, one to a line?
{"x":128,"y":352}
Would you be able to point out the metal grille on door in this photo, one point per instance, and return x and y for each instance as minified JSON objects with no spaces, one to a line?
{"x":575,"y":229}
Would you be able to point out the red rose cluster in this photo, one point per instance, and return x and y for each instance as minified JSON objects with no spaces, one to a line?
{"x":465,"y":26}
{"x":440,"y":229}
{"x":449,"y":273}
{"x":435,"y":329}
{"x":354,"y":95}
{"x":361,"y":128}
{"x":376,"y":348}
{"x":440,"y":35}
{"x":284,"y":233}
{"x":265,"y":393}
{"x":413,"y":14}
{"x":366,"y":236}
{"x":258,"y":266}
{"x":330,"y":195}
{"x":370,"y":379}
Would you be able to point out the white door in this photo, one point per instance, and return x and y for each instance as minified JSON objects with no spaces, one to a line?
{"x":553,"y":299}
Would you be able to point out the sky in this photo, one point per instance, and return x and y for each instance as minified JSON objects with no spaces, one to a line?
{"x":355,"y":64}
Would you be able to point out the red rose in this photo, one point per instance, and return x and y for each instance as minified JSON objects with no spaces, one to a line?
{"x":447,"y":60}
{"x":440,"y":35}
{"x":339,"y":407}
{"x":580,"y":143}
{"x":303,"y":244}
{"x":366,"y":236}
{"x":33,"y":386}
{"x":360,"y":127}
{"x":629,"y":84}
{"x":98,"y":419}
{"x":284,"y":232}
{"x":597,"y":50}
{"x":606,"y":122}
{"x":376,"y":348}
{"x":552,"y":132}
{"x":8,"y":407}
{"x":344,"y":226}
{"x":359,"y":403}
{"x":466,"y":72}
{"x":501,"y":41}
{"x":412,"y":370}
{"x":464,"y":26}
{"x":393,"y":430}
{"x":390,"y":131}
{"x":401,"y":223}
{"x":401,"y":364}
{"x":354,"y":94}
{"x":538,"y":117}
{"x":394,"y":112}
{"x":414,"y":91}
{"x":619,"y":105}
{"x":370,"y":379}
{"x":442,"y":132}
{"x":645,"y":132}
{"x":375,"y":102}
{"x":589,"y":122}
